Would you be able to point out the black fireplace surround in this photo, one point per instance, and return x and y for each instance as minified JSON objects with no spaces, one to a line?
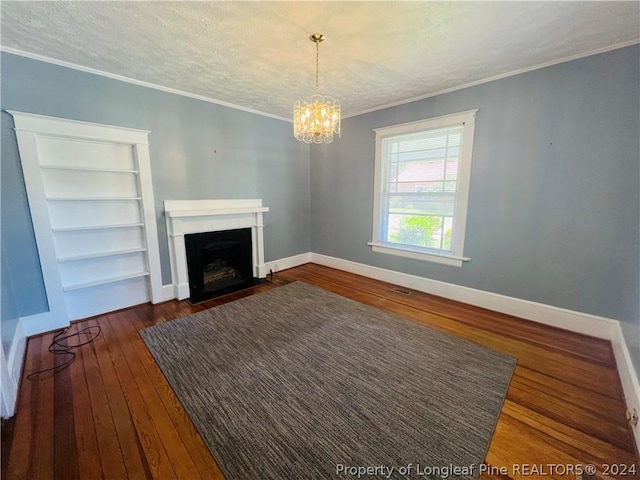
{"x":219,"y":263}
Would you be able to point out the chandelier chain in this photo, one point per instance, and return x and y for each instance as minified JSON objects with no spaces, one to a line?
{"x":317,"y":63}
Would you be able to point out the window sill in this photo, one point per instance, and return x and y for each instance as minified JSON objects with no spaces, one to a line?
{"x":408,"y":252}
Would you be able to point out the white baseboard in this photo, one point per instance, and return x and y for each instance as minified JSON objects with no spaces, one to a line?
{"x":181,"y":291}
{"x":40,"y":323}
{"x":584,"y":323}
{"x":168,"y":292}
{"x":628,"y":378}
{"x":27,"y":327}
{"x":14,"y":359}
{"x":7,"y":390}
{"x":15,"y":355}
{"x":288,"y":262}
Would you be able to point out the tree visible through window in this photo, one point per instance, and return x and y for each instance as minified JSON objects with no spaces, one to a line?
{"x":423,"y":179}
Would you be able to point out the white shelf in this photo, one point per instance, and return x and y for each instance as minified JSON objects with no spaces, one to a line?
{"x":90,"y":199}
{"x":103,"y":281}
{"x":97,"y":227}
{"x":89,"y":256}
{"x":88,"y":169}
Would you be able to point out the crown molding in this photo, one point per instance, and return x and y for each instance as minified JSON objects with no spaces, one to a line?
{"x":203,"y":98}
{"x":498,"y":77}
{"x":102,"y":73}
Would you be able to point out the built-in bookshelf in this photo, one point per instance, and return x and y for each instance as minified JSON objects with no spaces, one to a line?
{"x":91,"y":201}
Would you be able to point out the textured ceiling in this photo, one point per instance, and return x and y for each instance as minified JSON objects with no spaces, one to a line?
{"x":257,"y":54}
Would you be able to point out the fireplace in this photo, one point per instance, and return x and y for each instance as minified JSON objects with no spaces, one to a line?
{"x":215,"y":223}
{"x":219,"y":263}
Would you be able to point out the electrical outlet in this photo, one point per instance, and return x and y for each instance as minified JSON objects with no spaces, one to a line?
{"x":632,"y":417}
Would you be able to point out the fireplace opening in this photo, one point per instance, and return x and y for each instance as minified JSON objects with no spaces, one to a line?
{"x":219,"y":263}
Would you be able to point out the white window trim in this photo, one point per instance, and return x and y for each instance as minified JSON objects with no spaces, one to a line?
{"x":456,"y":257}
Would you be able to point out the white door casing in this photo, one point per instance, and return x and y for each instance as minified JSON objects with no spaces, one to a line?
{"x":91,"y":201}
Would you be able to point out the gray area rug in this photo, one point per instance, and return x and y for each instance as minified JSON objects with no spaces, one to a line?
{"x":300,"y":383}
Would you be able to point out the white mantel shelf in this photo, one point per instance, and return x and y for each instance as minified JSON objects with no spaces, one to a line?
{"x":184,"y":217}
{"x":219,"y":211}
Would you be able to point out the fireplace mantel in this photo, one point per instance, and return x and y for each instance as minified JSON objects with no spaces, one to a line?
{"x":197,"y":216}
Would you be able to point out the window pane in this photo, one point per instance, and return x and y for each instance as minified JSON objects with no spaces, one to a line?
{"x":453,"y":151}
{"x":408,"y":187}
{"x":419,"y":231}
{"x":448,"y":233}
{"x":450,"y":186}
{"x":452,"y":168}
{"x":440,"y":204}
{"x":420,"y":183}
{"x":455,"y":137}
{"x":422,"y":142}
{"x":421,"y":155}
{"x":423,"y":171}
{"x":391,"y":180}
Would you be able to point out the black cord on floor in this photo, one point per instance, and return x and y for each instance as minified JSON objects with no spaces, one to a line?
{"x":58,"y":347}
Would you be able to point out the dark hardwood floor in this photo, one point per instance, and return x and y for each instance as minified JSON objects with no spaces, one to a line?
{"x":112,"y":415}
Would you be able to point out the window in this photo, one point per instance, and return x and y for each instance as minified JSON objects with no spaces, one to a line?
{"x":421,"y":188}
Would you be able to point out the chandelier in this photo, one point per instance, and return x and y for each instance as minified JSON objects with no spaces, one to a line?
{"x":317,"y":120}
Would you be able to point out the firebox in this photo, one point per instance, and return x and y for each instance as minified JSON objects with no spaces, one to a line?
{"x":219,"y":263}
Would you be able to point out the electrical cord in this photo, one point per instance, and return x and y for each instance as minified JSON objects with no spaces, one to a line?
{"x":57,"y":347}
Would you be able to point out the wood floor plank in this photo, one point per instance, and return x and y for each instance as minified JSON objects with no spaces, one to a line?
{"x":6,"y":433}
{"x":198,"y":451}
{"x":88,"y":453}
{"x":177,"y":452}
{"x":42,"y":466}
{"x":594,"y":401}
{"x":65,"y":453}
{"x":542,"y":447}
{"x":564,"y":404}
{"x":596,"y":450}
{"x":572,"y":415}
{"x":111,"y":457}
{"x":150,"y":439}
{"x":130,"y":447}
{"x":531,"y":448}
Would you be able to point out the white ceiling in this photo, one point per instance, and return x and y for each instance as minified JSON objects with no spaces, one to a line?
{"x":257,"y":55}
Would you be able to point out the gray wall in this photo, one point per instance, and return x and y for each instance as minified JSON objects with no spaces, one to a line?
{"x":19,"y":254}
{"x":198,"y":150}
{"x":631,"y":330}
{"x":9,"y":313}
{"x":554,"y":200}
